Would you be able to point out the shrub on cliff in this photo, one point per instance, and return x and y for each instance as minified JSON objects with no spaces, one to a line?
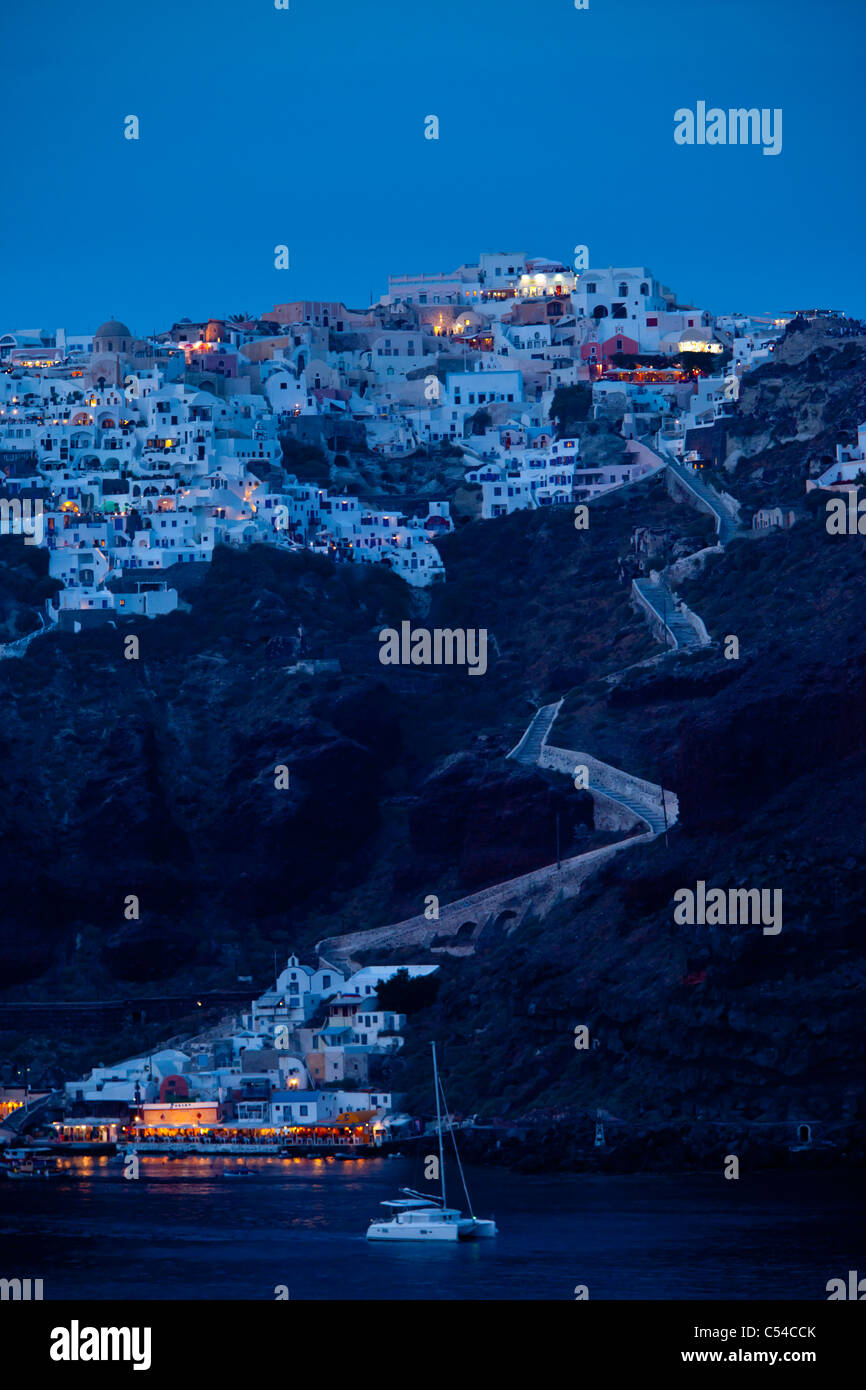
{"x":404,"y":995}
{"x":570,"y":406}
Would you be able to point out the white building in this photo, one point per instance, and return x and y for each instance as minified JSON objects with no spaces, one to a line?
{"x":850,"y":464}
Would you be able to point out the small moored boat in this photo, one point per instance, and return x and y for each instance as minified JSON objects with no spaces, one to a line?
{"x":413,"y":1216}
{"x":24,"y":1168}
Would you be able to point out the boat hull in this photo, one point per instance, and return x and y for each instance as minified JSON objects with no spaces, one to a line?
{"x":437,"y":1230}
{"x":484,"y":1230}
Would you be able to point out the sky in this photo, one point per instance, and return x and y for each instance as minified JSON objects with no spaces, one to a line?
{"x":304,"y":127}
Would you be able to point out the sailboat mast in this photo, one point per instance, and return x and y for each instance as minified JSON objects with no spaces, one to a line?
{"x":456,"y":1151}
{"x":439,"y":1125}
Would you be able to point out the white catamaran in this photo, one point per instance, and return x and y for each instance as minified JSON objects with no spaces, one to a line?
{"x":415,"y":1217}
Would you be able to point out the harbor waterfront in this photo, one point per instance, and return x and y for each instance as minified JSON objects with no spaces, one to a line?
{"x":181,"y":1232}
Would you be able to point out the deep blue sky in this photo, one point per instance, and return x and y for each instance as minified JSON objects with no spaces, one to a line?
{"x":305,"y":127}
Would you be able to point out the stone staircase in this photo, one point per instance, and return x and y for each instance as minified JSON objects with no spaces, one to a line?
{"x":657,"y":596}
{"x":20,"y":645}
{"x":644,"y":800}
{"x":706,"y":498}
{"x":456,"y":929}
{"x":528,"y":750}
{"x":643,"y":808}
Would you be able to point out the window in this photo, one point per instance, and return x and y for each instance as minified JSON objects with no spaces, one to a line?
{"x":623,"y":287}
{"x":590,"y":287}
{"x":652,"y":323}
{"x":644,"y":289}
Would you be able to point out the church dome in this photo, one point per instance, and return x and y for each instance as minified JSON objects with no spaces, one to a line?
{"x":113,"y":329}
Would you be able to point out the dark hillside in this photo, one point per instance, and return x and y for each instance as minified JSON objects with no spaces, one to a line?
{"x":156,"y":778}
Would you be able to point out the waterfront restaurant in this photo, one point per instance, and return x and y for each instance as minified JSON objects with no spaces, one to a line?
{"x":165,"y":1117}
{"x":87,"y":1129}
{"x":202,"y":1123}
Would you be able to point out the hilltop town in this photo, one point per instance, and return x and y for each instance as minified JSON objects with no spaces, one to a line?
{"x":362,"y":435}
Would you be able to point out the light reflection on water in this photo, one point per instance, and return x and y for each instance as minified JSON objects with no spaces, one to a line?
{"x":183,"y":1231}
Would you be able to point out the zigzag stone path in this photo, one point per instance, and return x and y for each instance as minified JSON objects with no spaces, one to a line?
{"x":622,"y":802}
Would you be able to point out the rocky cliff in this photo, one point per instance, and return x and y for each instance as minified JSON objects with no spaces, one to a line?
{"x":156,"y":778}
